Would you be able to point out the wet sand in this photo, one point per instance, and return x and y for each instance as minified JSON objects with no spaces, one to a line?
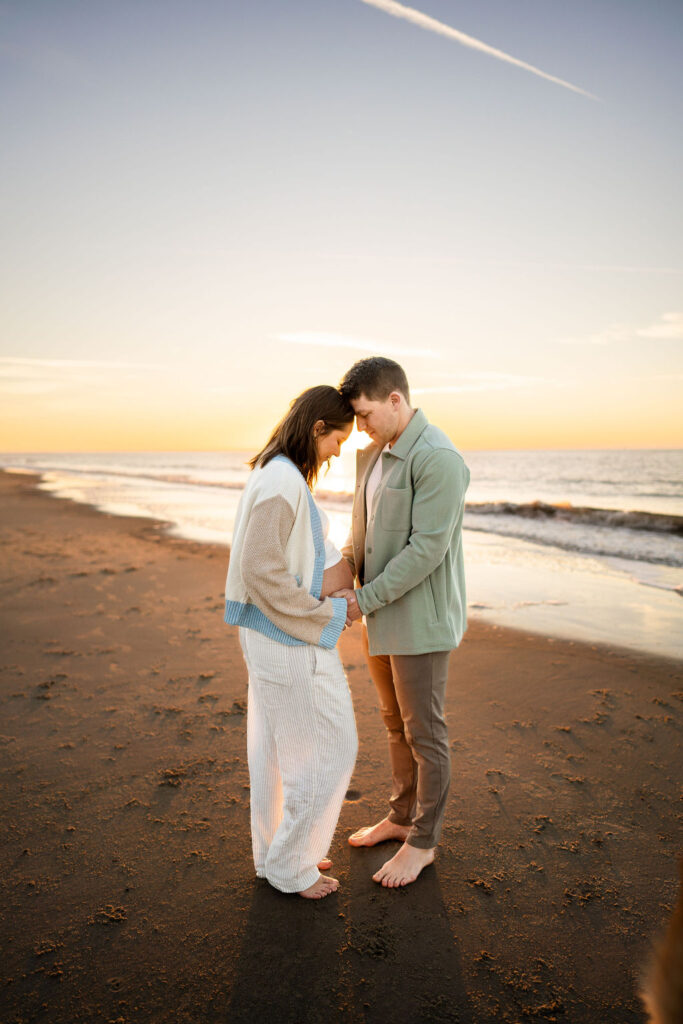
{"x":128,"y":887}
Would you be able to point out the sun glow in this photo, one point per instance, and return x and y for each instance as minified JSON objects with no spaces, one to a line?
{"x":339,"y":479}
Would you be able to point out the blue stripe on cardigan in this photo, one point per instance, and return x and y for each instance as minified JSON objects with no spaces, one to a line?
{"x":251,"y":617}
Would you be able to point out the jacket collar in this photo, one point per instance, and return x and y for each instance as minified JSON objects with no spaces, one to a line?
{"x":367,"y":457}
{"x":410,"y":435}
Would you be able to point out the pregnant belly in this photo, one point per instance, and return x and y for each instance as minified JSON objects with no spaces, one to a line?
{"x":337,"y":577}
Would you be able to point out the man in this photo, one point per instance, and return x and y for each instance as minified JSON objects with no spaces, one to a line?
{"x":405,"y":550}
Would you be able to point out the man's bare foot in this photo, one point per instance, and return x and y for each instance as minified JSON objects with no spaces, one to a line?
{"x":379,"y":833}
{"x":323,"y":887}
{"x":325,"y":864}
{"x":404,"y":866}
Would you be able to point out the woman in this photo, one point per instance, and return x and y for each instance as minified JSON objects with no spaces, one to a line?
{"x":301,"y":732}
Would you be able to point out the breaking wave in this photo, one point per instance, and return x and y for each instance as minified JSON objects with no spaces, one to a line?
{"x":564,"y":512}
{"x":641,"y":536}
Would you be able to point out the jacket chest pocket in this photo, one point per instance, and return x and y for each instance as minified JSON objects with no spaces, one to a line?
{"x":395,"y":508}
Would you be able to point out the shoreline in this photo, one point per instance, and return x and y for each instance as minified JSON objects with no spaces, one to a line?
{"x":583,"y":611}
{"x":130,"y":887}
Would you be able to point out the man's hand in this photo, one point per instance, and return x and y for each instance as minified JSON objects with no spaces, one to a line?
{"x":353,"y":612}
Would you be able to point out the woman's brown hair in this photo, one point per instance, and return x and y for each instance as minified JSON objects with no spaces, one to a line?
{"x":294,"y":434}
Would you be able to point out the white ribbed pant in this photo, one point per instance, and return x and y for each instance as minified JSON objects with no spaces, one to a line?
{"x":301,"y":744}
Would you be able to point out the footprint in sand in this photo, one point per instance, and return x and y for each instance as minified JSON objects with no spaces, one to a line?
{"x":109,"y":914}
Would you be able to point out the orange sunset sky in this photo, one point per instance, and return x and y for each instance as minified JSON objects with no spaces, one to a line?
{"x":207,"y":213}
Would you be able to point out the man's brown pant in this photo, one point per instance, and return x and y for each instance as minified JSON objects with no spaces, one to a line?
{"x":412,"y":689}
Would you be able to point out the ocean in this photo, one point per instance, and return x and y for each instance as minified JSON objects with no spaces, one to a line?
{"x":583,"y":545}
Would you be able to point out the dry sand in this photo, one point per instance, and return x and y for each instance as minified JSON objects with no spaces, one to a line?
{"x":129,"y":893}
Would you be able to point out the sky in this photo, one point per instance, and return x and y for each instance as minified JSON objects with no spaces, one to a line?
{"x":207,"y":207}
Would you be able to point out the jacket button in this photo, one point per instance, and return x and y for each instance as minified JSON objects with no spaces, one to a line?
{"x":369,"y":551}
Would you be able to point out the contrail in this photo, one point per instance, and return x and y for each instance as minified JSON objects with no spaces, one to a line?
{"x":432,"y":25}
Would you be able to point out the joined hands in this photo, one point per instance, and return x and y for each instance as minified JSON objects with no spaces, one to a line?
{"x":353,"y":612}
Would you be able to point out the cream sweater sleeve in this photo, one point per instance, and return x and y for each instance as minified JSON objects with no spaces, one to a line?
{"x":273,"y":589}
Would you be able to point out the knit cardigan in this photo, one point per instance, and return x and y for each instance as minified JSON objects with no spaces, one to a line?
{"x":277,"y":559}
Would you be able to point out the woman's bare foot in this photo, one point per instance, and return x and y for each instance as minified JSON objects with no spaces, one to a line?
{"x":379,"y":833}
{"x":404,"y":866}
{"x":325,"y":864}
{"x":323,"y":887}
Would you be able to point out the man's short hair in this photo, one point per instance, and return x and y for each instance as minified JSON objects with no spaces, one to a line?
{"x":375,"y":378}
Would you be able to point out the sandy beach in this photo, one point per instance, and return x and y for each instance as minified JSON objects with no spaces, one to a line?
{"x":128,"y":887}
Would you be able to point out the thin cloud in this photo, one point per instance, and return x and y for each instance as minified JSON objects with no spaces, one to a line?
{"x":28,"y":386}
{"x":668,"y":327}
{"x":619,"y":269}
{"x":479,"y":382}
{"x":20,"y":375}
{"x":613,"y":334}
{"x":325,"y":340}
{"x":430,"y":259}
{"x":67,"y":364}
{"x":432,"y":25}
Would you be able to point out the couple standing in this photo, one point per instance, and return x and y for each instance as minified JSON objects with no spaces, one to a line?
{"x":292,"y":593}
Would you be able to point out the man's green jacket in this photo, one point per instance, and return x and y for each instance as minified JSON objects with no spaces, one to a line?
{"x":406,"y":551}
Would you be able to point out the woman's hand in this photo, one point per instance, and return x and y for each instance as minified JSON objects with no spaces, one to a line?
{"x":353,"y":612}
